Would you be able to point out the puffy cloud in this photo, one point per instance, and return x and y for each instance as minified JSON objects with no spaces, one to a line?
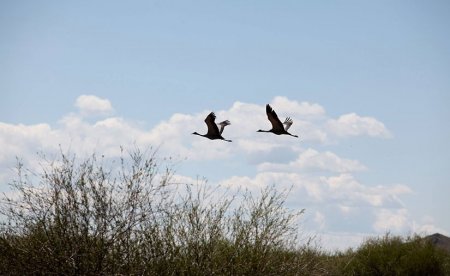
{"x":342,"y":190}
{"x":247,"y":118}
{"x":333,"y":241}
{"x":355,"y":125}
{"x":426,"y":225}
{"x":311,"y":159}
{"x":312,"y":132}
{"x":16,"y":139}
{"x":93,"y":105}
{"x":300,"y":109}
{"x":346,"y":189}
{"x":279,"y":159}
{"x":174,"y":134}
{"x":310,"y":123}
{"x":276,"y":154}
{"x":306,"y":189}
{"x":321,"y":181}
{"x":394,"y":220}
{"x":338,"y":202}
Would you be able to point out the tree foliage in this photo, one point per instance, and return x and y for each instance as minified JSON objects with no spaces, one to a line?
{"x":128,"y":217}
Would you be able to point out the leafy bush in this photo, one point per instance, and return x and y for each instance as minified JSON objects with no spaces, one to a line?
{"x":88,"y":218}
{"x":92,"y":217}
{"x":391,"y":255}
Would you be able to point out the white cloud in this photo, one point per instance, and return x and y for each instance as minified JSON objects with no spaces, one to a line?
{"x":342,"y":190}
{"x":311,"y":159}
{"x":15,"y":139}
{"x":299,"y":109}
{"x":345,"y":209}
{"x":247,"y":118}
{"x":310,"y":123}
{"x":274,"y":155}
{"x":393,"y":220}
{"x":338,"y":202}
{"x":345,"y":188}
{"x":309,"y":189}
{"x":93,"y":105}
{"x":332,"y":241}
{"x":174,"y":135}
{"x":321,"y":181}
{"x":427,"y":226}
{"x":312,"y":132}
{"x":355,"y":125}
{"x":319,"y":219}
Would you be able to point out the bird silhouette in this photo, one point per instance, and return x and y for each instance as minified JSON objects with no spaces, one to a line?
{"x":277,"y":126}
{"x":213,"y":130}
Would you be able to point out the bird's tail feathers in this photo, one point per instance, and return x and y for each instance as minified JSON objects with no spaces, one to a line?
{"x":223,"y":125}
{"x":287,"y":123}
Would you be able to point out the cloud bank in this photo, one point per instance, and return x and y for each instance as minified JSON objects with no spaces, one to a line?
{"x":321,"y":181}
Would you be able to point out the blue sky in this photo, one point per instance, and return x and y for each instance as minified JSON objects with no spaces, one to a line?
{"x":366,"y":83}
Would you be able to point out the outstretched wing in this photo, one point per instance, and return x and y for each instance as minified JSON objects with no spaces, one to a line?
{"x":273,"y":118}
{"x":223,"y":125}
{"x":287,"y":123}
{"x":212,"y":127}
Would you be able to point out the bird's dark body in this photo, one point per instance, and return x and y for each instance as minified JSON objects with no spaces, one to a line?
{"x":213,"y":130}
{"x":217,"y":137}
{"x":277,"y":126}
{"x":278,"y":132}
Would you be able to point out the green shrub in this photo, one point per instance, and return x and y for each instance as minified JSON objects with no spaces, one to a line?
{"x":130,"y":218}
{"x":88,"y":218}
{"x":390,"y":255}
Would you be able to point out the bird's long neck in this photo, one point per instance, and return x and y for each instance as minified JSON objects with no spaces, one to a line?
{"x":196,"y":133}
{"x":262,"y":130}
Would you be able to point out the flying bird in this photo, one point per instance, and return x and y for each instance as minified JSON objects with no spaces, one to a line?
{"x":277,"y":126}
{"x":213,"y":130}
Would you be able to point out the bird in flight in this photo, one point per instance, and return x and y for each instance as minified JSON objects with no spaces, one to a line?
{"x":278,"y":128}
{"x":213,"y":130}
